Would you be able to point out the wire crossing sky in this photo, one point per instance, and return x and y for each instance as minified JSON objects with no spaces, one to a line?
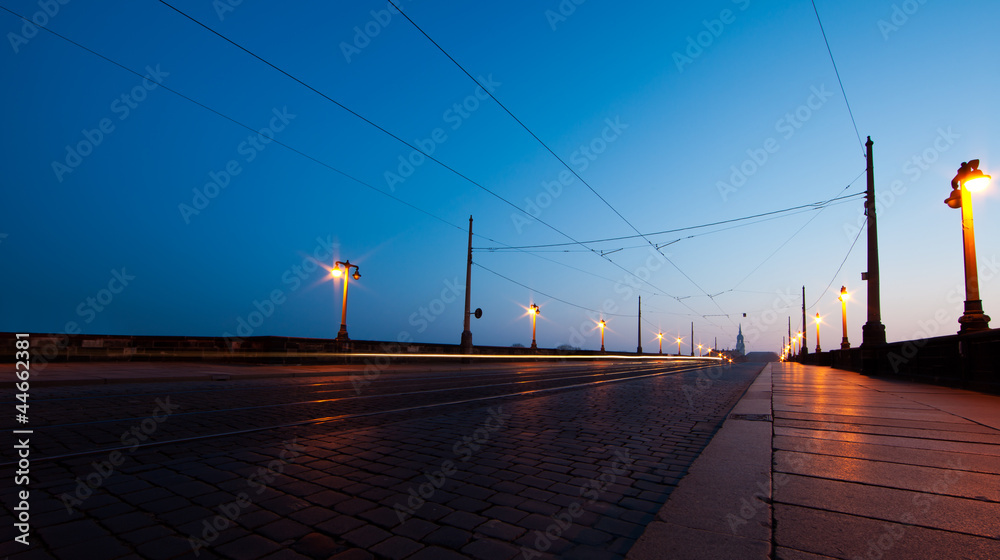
{"x":194,"y":168}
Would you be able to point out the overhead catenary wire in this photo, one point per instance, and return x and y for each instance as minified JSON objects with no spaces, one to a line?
{"x":814,"y":205}
{"x":314,"y":159}
{"x":775,"y":252}
{"x":839,"y":81}
{"x":839,"y":268}
{"x":241,"y":124}
{"x":506,"y":248}
{"x":288,"y":147}
{"x":560,"y":300}
{"x":411,"y":146}
{"x":554,"y":154}
{"x":291,"y":148}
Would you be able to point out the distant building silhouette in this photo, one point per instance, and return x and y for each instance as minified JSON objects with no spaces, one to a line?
{"x":741,"y":349}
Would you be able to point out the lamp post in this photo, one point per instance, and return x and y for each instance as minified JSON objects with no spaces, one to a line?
{"x":659,"y":337}
{"x":844,"y":344}
{"x":602,"y":325}
{"x":678,"y":346}
{"x":699,"y":350}
{"x":336,"y":272}
{"x":969,"y":179}
{"x":818,"y":320}
{"x":533,"y":310}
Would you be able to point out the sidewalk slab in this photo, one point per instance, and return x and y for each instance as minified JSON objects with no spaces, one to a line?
{"x":874,"y":468}
{"x":849,"y":467}
{"x":721,"y":508}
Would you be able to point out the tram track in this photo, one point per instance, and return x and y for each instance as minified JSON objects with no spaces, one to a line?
{"x":99,"y":436}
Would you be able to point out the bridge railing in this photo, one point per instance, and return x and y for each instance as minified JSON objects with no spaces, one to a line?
{"x":971,"y":360}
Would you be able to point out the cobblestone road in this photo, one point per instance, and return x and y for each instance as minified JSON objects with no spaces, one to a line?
{"x":394,"y":471}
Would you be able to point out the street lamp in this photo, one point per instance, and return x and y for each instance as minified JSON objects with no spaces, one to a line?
{"x":533,"y":310}
{"x":844,"y":344}
{"x":336,"y":272}
{"x":699,"y":350}
{"x":602,"y":325}
{"x":969,"y":179}
{"x":678,"y":346}
{"x":818,"y":321}
{"x":659,"y":337}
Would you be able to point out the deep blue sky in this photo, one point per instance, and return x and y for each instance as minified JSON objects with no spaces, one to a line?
{"x":921,"y":84}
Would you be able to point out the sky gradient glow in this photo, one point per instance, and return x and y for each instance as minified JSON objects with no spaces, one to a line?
{"x":676,"y":114}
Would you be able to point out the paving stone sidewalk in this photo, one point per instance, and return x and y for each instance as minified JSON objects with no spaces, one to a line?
{"x":855,"y":467}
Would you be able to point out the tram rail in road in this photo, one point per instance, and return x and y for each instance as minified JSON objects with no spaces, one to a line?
{"x":95,"y":423}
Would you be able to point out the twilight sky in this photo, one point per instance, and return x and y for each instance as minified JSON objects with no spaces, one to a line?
{"x":131,"y":208}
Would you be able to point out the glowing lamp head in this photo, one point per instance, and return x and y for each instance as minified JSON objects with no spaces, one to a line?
{"x":336,"y":272}
{"x":659,"y":336}
{"x":844,"y":296}
{"x":533,"y":309}
{"x":972,"y":177}
{"x":356,"y":275}
{"x":977,"y":184}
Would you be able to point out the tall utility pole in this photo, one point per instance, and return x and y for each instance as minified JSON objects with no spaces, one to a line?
{"x":692,"y":339}
{"x":805,"y":347}
{"x":466,"y":345}
{"x":873,"y":332}
{"x":639,"y":349}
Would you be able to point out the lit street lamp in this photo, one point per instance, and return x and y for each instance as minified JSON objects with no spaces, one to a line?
{"x":533,"y":310}
{"x":659,"y":337}
{"x":602,"y":324}
{"x":678,"y":346}
{"x":336,"y":272}
{"x":818,"y":321}
{"x":699,"y":350}
{"x":968,"y":180}
{"x":844,"y":344}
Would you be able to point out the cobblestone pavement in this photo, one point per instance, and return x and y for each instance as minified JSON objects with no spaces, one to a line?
{"x":415,"y":471}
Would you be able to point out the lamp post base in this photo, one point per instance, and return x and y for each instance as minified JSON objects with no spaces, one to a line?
{"x":872,"y":334}
{"x":844,"y":344}
{"x":342,"y":334}
{"x":973,"y":320}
